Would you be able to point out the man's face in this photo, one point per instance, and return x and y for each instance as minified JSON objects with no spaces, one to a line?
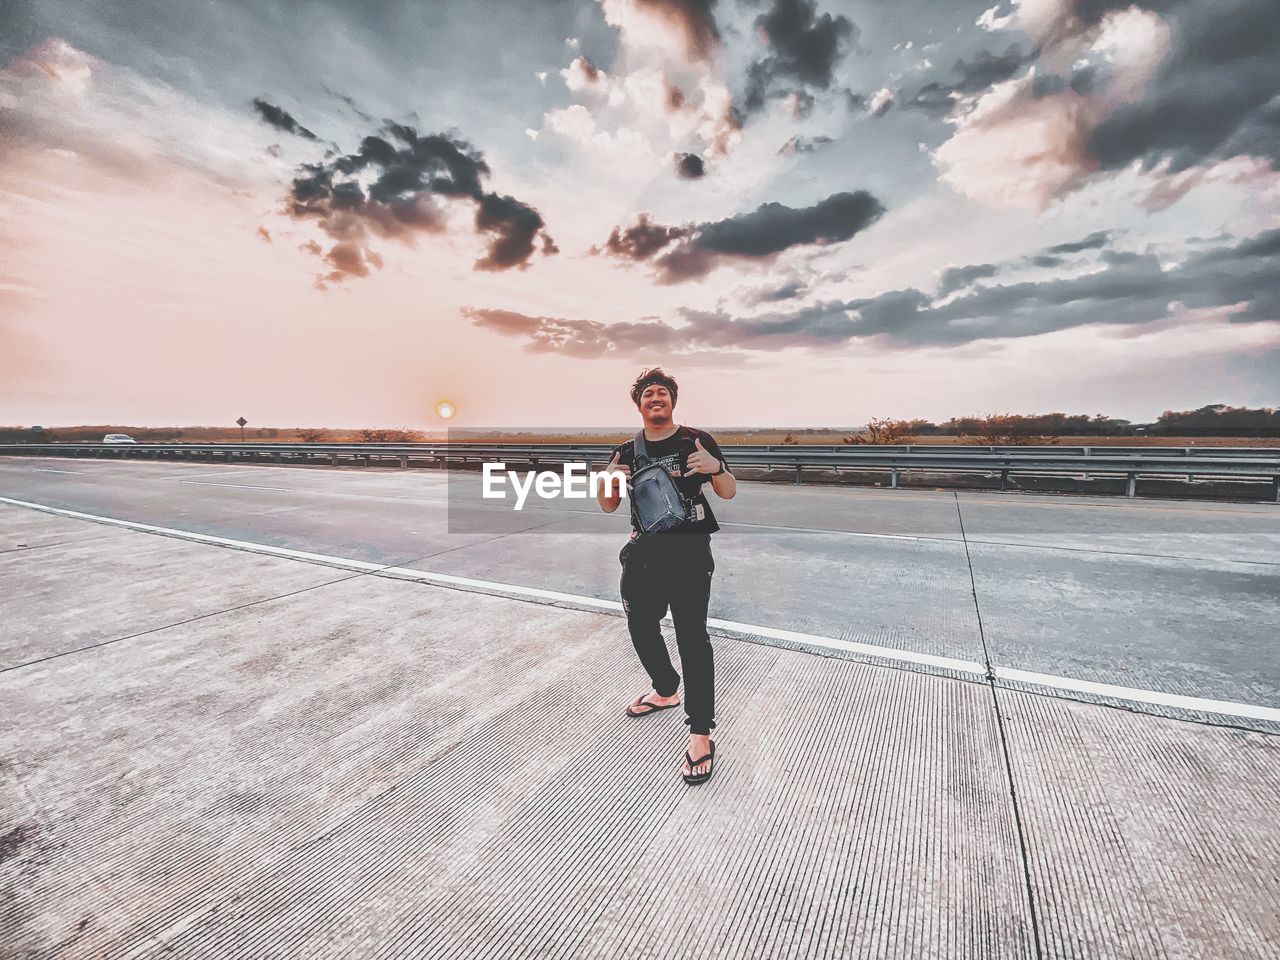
{"x":656,"y":405}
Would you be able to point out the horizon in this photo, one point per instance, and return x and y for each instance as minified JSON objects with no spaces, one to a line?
{"x":739,"y":428}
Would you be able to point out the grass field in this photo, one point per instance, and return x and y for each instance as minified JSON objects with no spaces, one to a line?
{"x":763,"y":438}
{"x":726,"y":436}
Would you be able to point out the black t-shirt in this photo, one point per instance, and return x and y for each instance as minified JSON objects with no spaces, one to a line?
{"x":674,"y":452}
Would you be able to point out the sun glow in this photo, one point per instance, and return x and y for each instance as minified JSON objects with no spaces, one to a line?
{"x":445,"y":410}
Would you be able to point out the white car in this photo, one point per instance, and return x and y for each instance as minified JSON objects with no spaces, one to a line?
{"x":118,"y":438}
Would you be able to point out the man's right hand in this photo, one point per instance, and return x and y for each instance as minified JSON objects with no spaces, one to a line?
{"x":608,"y":495}
{"x":620,"y":467}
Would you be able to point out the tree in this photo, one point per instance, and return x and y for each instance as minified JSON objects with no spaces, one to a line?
{"x":312,"y":435}
{"x":1219,"y":420}
{"x":403,"y":435}
{"x":884,"y":431}
{"x":1010,"y":429}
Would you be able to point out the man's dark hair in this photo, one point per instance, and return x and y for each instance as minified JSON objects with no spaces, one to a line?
{"x":654,"y":375}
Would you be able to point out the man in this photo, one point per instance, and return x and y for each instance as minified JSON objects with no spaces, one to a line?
{"x":673,"y":568}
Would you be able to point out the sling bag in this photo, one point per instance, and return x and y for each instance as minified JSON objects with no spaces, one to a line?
{"x":657,"y":505}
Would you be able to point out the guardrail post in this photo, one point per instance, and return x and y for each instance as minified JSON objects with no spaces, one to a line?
{"x":1131,"y":487}
{"x":1004,"y":479}
{"x":364,"y":460}
{"x":1275,"y":489}
{"x":893,"y":479}
{"x":799,"y":473}
{"x":404,"y":462}
{"x":276,"y":457}
{"x":333,"y":459}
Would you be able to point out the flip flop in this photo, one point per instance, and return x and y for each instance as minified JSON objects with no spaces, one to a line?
{"x":640,"y":701}
{"x":696,"y":778}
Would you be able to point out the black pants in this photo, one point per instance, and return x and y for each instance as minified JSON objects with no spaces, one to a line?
{"x":673,"y":570}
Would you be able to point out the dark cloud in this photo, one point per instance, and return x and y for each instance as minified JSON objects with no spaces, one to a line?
{"x":1132,"y":291}
{"x":787,"y":291}
{"x":641,"y":240}
{"x":689,"y":166}
{"x":1045,"y":260}
{"x":695,"y":250}
{"x":1215,"y":95}
{"x":397,"y":187}
{"x":773,"y":227}
{"x":1094,"y":241}
{"x":513,"y":226}
{"x":281,"y":119}
{"x":937,"y":97}
{"x":987,"y":68}
{"x":804,"y":48}
{"x":933,"y":98}
{"x":575,"y":338}
{"x":804,"y":145}
{"x":350,"y":103}
{"x":957,"y":278}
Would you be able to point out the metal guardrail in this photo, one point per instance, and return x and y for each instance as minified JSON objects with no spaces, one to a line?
{"x":1194,"y":463}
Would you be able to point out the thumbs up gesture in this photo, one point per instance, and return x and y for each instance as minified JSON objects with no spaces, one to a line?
{"x":700,"y":461}
{"x":620,"y":467}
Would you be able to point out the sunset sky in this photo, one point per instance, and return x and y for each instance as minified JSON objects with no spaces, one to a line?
{"x":810,"y":213}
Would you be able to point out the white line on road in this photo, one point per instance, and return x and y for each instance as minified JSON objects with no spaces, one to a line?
{"x":244,"y":486}
{"x":1156,"y":697}
{"x":51,"y":470}
{"x":1229,"y":708}
{"x":204,"y":538}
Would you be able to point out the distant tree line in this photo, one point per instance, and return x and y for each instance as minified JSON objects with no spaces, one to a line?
{"x":1214,"y":420}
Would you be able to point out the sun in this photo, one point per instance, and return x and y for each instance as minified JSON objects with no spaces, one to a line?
{"x":445,"y":410}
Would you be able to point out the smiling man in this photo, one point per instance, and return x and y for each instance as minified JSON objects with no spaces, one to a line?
{"x":673,"y":568}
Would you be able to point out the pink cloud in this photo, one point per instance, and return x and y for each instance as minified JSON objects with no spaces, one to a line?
{"x":1019,"y":145}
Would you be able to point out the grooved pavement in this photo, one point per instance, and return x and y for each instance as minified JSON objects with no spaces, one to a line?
{"x":338,"y":765}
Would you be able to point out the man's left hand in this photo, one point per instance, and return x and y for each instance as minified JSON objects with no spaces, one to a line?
{"x":700,"y":461}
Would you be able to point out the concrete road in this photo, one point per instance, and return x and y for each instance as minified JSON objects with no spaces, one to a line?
{"x":223,"y":747}
{"x":1175,"y":597}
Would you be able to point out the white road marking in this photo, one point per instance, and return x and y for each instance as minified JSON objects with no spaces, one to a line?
{"x":51,"y":470}
{"x":1198,"y":704}
{"x":225,"y":472}
{"x":243,"y":486}
{"x":970,"y":667}
{"x":1229,"y":708}
{"x":204,"y":538}
{"x":843,"y":533}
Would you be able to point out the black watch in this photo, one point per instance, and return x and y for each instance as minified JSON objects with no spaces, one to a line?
{"x":723,"y":469}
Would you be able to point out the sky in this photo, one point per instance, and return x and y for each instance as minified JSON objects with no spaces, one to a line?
{"x":810,"y":212}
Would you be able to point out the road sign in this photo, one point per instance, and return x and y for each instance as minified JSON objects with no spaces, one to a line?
{"x":241,"y":422}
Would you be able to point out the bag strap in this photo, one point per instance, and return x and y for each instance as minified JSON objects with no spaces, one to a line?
{"x":640,"y":451}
